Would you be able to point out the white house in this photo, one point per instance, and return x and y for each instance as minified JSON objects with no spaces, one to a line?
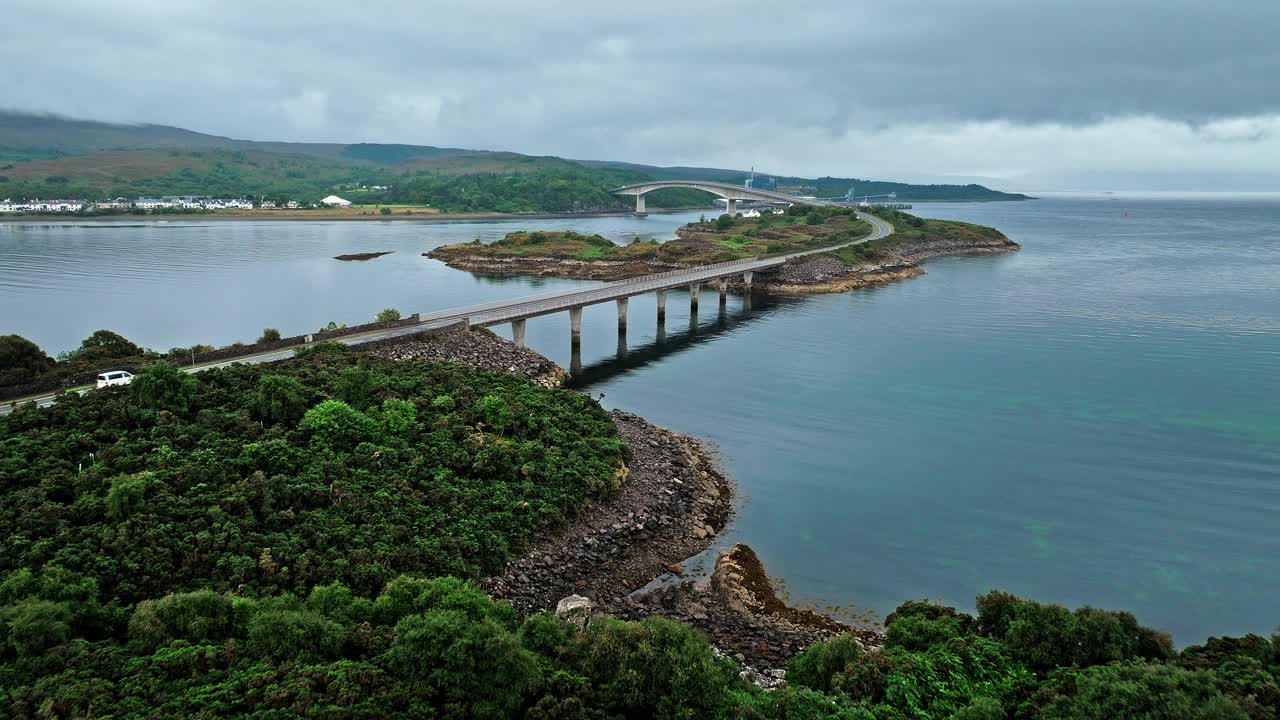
{"x":8,"y":206}
{"x":335,"y":201}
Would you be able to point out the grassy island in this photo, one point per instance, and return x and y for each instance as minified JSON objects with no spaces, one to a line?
{"x":296,"y":541}
{"x":700,"y":243}
{"x":799,"y":228}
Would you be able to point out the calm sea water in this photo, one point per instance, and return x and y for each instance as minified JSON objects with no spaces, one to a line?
{"x":1092,"y":420}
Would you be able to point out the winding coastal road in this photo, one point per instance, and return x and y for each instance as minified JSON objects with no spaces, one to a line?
{"x":503,"y":311}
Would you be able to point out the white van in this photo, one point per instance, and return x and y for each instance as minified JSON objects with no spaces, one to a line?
{"x":115,"y":377}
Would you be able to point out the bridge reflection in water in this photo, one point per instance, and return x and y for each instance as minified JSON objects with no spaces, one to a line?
{"x":671,"y":338}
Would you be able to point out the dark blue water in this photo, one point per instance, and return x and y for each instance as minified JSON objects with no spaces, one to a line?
{"x":1091,"y":420}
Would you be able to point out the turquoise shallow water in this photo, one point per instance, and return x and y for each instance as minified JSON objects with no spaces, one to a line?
{"x":1091,"y":420}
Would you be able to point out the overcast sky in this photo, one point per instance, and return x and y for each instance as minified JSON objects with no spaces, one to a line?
{"x":1022,"y":94}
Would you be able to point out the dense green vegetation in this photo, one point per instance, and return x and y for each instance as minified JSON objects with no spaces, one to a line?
{"x":285,"y":542}
{"x":342,"y":467}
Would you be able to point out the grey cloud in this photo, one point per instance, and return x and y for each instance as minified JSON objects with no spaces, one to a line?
{"x":657,"y":81}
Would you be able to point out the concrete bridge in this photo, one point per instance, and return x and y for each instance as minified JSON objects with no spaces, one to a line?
{"x":517,"y":311}
{"x":731,"y":193}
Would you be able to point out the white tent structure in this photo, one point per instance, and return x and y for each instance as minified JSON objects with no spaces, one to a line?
{"x":335,"y":201}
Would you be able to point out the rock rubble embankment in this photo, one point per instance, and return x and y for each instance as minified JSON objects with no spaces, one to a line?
{"x":478,"y":349}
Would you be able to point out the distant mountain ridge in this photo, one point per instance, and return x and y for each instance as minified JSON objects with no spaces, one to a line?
{"x":112,"y":157}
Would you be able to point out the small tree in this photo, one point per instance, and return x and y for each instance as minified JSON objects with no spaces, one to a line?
{"x":269,"y":335}
{"x":21,"y":360}
{"x":385,"y":211}
{"x":104,"y":344}
{"x":279,"y":400}
{"x":388,"y":315}
{"x":163,"y":386}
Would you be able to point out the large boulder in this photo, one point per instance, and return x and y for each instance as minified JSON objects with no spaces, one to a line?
{"x":576,"y":610}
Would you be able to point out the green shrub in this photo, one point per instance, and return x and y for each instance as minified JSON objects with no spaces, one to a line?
{"x":293,"y":635}
{"x":356,"y":386}
{"x":1149,"y":692}
{"x":201,"y":617}
{"x":163,"y":386}
{"x":1045,"y":636}
{"x":279,"y":400}
{"x":918,"y":633}
{"x":477,"y":665}
{"x":398,"y":417}
{"x":931,"y":611}
{"x":387,"y":314}
{"x":546,"y":634}
{"x":940,"y":682}
{"x":337,"y":425}
{"x":820,"y":664}
{"x":125,"y":495}
{"x":269,"y":335}
{"x":655,"y":668}
{"x":33,"y":626}
{"x":336,"y":602}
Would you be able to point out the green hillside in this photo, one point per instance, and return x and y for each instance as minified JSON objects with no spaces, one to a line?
{"x":44,"y":156}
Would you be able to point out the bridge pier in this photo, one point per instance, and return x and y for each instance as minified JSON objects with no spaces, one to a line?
{"x":622,"y":315}
{"x":693,"y":296}
{"x":662,"y":305}
{"x":724,"y":290}
{"x":517,"y":332}
{"x":731,"y":206}
{"x":640,"y":204}
{"x":575,"y":326}
{"x":746,"y":281}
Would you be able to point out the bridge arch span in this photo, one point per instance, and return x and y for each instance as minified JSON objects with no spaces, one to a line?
{"x":732,"y":193}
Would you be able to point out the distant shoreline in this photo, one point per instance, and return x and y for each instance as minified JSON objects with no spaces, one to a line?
{"x":306,"y":217}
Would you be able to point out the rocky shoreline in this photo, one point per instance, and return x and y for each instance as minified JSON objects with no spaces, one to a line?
{"x":571,"y":268}
{"x":828,"y":274}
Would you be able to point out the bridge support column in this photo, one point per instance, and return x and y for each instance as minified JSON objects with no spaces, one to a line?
{"x":731,"y":207}
{"x":693,"y":295}
{"x":575,"y":325}
{"x":517,"y":332}
{"x":622,"y":314}
{"x":724,"y":289}
{"x":662,"y":306}
{"x":746,"y":282}
{"x":640,"y":205}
